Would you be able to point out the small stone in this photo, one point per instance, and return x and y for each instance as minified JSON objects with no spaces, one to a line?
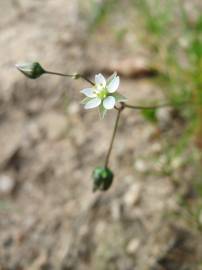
{"x":132,"y":197}
{"x":7,"y":185}
{"x":67,"y":38}
{"x":133,"y":246}
{"x":140,"y":165}
{"x":73,"y":108}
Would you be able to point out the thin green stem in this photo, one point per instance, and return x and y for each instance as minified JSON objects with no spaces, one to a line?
{"x":86,"y":79}
{"x":59,"y":74}
{"x":134,"y":107}
{"x":113,"y":136}
{"x":73,"y":76}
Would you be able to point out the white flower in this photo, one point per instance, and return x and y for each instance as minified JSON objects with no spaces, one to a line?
{"x":102,"y":94}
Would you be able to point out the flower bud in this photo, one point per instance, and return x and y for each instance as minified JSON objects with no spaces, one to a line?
{"x":31,"y":70}
{"x":102,"y":178}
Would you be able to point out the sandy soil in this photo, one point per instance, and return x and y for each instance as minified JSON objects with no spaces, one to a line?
{"x":49,"y":217}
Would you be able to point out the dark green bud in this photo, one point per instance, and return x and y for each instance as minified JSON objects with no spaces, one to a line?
{"x":31,"y":70}
{"x":102,"y":178}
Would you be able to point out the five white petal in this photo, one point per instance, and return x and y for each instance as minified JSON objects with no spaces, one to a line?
{"x":100,"y":80}
{"x":93,"y":103}
{"x":113,"y":84}
{"x":89,"y":92}
{"x":94,"y":95}
{"x":111,"y":77}
{"x":109,"y":103}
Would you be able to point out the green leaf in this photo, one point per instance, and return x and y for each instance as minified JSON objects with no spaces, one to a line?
{"x":119,"y":97}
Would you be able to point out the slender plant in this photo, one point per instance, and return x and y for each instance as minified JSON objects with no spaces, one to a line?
{"x":102,"y":94}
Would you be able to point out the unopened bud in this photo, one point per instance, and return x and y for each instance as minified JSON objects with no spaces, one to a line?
{"x":31,"y":70}
{"x":102,"y":178}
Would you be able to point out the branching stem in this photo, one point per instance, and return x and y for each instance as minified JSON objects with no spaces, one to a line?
{"x":119,"y":109}
{"x":73,"y":76}
{"x":134,"y":107}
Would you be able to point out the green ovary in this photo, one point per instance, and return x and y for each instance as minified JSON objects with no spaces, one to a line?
{"x":103,"y":94}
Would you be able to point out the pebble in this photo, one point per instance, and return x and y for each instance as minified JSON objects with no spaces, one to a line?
{"x":132,"y":197}
{"x":73,"y":108}
{"x":7,"y":184}
{"x":133,"y":246}
{"x":116,"y":210}
{"x":141,"y":166}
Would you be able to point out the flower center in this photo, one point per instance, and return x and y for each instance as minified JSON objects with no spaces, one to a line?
{"x":102,"y":94}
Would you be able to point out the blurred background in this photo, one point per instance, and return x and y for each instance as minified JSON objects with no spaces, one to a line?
{"x":151,"y":218}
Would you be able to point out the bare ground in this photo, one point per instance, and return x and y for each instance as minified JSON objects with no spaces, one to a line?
{"x":49,"y":217}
